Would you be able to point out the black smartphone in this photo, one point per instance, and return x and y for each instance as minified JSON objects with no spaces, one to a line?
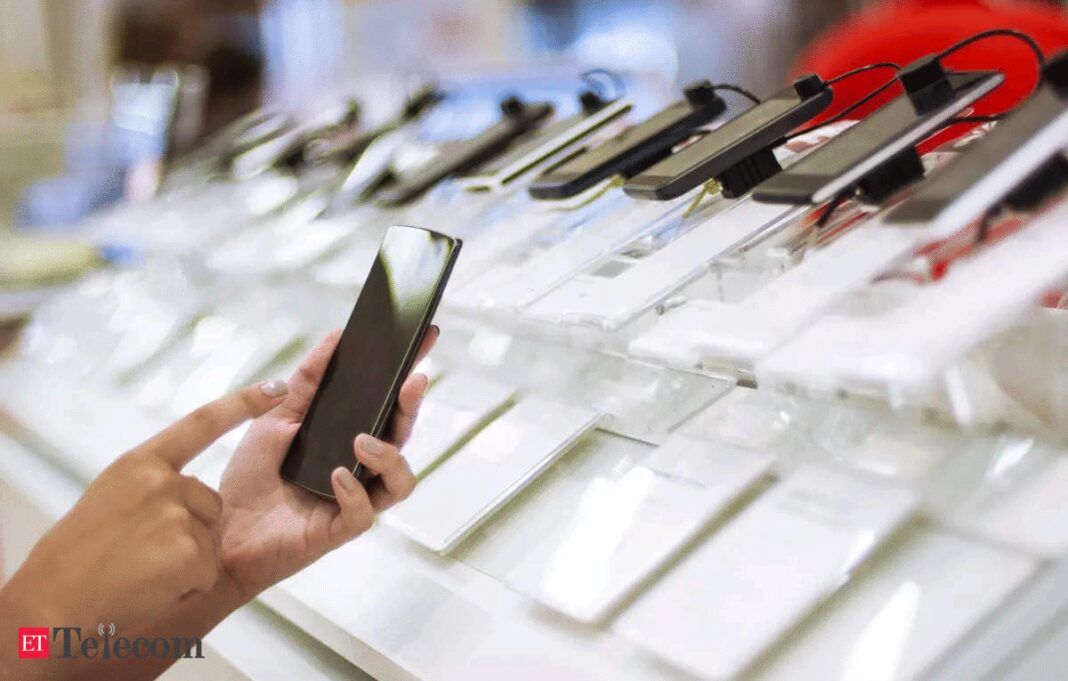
{"x":287,"y":148}
{"x":350,"y":147}
{"x":992,"y":166}
{"x":551,"y":140}
{"x":518,"y":119}
{"x":248,"y":131}
{"x":376,"y":352}
{"x":760,"y":127}
{"x":633,"y":150}
{"x":880,"y":138}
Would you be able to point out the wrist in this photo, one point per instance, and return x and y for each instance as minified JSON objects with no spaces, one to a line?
{"x":19,"y":608}
{"x":25,"y":604}
{"x":230,"y":595}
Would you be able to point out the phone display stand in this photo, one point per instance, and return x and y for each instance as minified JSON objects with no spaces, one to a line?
{"x":808,"y":556}
{"x":817,"y":268}
{"x":882,"y":150}
{"x":950,"y":584}
{"x":615,"y":291}
{"x":683,"y":248}
{"x":552,"y":260}
{"x":290,"y":243}
{"x":226,"y":349}
{"x":456,"y":408}
{"x":135,"y":315}
{"x":494,"y":466}
{"x":658,"y":506}
{"x":933,"y":327}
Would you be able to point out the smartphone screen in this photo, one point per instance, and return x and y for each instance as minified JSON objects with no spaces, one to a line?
{"x":376,"y":351}
{"x":849,"y":157}
{"x":752,"y":131}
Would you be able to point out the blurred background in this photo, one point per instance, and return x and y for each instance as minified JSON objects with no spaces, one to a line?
{"x":84,"y":83}
{"x":57,"y":61}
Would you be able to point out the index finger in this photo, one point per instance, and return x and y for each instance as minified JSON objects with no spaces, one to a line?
{"x":184,"y":440}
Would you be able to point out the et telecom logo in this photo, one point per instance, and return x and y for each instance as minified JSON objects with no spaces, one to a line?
{"x":33,"y":642}
{"x":69,"y":644}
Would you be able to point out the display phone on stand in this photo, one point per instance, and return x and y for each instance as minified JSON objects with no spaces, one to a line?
{"x":377,"y":350}
{"x":878,"y":154}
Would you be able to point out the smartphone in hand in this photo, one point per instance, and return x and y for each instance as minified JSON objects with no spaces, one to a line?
{"x":376,"y":352}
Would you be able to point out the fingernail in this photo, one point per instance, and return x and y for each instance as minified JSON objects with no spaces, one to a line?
{"x":437,"y":329}
{"x":274,"y":388}
{"x":369,"y":445}
{"x":345,"y":479}
{"x":422,"y":380}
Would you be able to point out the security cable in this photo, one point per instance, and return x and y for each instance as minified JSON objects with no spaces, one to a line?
{"x":859,"y":103}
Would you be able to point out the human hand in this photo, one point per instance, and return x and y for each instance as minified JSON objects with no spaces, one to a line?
{"x":143,"y":537}
{"x":271,"y":528}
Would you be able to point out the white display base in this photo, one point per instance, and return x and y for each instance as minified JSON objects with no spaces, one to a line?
{"x":382,"y":604}
{"x":402,"y":612}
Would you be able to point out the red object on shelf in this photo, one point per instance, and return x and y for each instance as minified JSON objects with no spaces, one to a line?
{"x":902,"y":31}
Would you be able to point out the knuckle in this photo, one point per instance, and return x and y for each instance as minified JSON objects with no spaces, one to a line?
{"x":364,"y":521}
{"x":207,"y":493}
{"x":361,"y":506}
{"x":186,"y":550}
{"x":399,"y":469}
{"x":127,"y":459}
{"x":178,"y":517}
{"x":391,"y":458}
{"x":216,"y":500}
{"x":362,"y":514}
{"x":210,"y":578}
{"x":154,"y":478}
{"x":405,"y":487}
{"x":306,"y":375}
{"x":248,"y":400}
{"x":417,"y":404}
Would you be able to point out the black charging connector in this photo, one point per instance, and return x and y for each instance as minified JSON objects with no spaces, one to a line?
{"x":701,"y":93}
{"x":901,"y":170}
{"x":737,"y":180}
{"x":1048,"y":179}
{"x":1052,"y":176}
{"x":512,"y":106}
{"x":1055,"y":73}
{"x":926,"y":83}
{"x":809,"y":85}
{"x":591,"y":102}
{"x":422,"y":100}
